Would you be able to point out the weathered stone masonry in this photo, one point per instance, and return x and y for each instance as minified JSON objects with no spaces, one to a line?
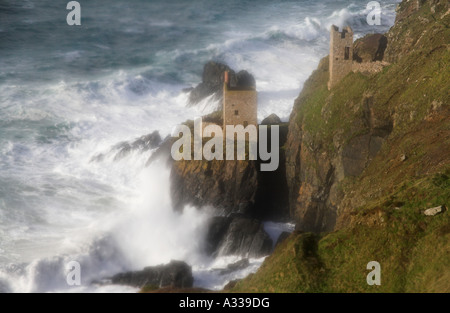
{"x":341,"y":54}
{"x":240,"y":105}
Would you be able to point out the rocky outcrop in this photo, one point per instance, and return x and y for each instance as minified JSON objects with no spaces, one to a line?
{"x":123,"y":149}
{"x":364,"y":160}
{"x":370,"y":48}
{"x":335,"y":136}
{"x":228,"y":186}
{"x":237,"y":235}
{"x":176,"y":274}
{"x":239,"y":265}
{"x":406,"y":34}
{"x":316,"y":166}
{"x":272,"y":119}
{"x":143,"y":143}
{"x":310,"y":171}
{"x":232,"y":186}
{"x":316,"y":163}
{"x":212,"y":82}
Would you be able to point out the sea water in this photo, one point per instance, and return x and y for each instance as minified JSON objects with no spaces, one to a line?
{"x":70,"y":93}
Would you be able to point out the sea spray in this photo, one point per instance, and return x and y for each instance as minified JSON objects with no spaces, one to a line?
{"x":69,"y":95}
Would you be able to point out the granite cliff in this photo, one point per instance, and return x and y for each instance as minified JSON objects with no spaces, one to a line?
{"x":335,"y":136}
{"x":363,"y":163}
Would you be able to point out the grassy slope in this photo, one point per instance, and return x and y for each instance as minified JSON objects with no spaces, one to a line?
{"x":413,"y":250}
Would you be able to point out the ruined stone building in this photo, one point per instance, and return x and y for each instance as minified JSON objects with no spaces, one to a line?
{"x":240,"y":105}
{"x":341,"y":54}
{"x":364,"y":56}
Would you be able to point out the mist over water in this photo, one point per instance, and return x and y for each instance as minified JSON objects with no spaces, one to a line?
{"x":68,"y":94}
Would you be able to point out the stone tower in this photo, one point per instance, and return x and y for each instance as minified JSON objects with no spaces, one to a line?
{"x":341,"y":54}
{"x":239,"y":104}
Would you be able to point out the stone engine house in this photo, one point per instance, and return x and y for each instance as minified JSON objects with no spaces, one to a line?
{"x":341,"y":54}
{"x":240,"y":104}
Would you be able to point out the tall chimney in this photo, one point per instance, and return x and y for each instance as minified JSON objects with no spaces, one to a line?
{"x":226,"y":78}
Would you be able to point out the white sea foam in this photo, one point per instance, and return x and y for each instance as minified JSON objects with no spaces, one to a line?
{"x":112,"y":216}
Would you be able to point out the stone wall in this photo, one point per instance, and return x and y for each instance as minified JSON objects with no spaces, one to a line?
{"x":369,"y":67}
{"x":240,"y":107}
{"x":341,"y":54}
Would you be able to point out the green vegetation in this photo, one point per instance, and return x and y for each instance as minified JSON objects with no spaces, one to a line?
{"x":381,"y":215}
{"x":149,"y":288}
{"x":412,"y":249}
{"x":409,"y":87}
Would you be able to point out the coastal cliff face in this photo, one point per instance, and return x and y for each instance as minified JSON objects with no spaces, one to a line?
{"x":227,"y":187}
{"x":334,"y":136}
{"x":363,"y":163}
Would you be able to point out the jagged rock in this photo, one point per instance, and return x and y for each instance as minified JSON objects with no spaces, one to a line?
{"x":123,"y":149}
{"x":401,"y":40}
{"x":176,"y":274}
{"x":163,"y":152}
{"x":237,"y":235}
{"x":232,"y":186}
{"x":370,"y":48}
{"x":272,"y":119}
{"x":434,"y":211}
{"x":148,"y":142}
{"x":224,"y":185}
{"x":217,"y":228}
{"x":245,"y":237}
{"x":316,"y":164}
{"x":239,"y":265}
{"x":212,"y":82}
{"x":244,"y":80}
{"x":143,"y":143}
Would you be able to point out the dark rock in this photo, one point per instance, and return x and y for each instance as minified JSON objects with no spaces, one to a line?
{"x":239,"y":265}
{"x":232,"y":186}
{"x":370,"y":48}
{"x":148,"y":142}
{"x":223,"y":185}
{"x":245,"y":237}
{"x":237,"y":235}
{"x":163,"y":152}
{"x":272,"y":194}
{"x":355,"y":155}
{"x":213,"y":79}
{"x":143,"y":143}
{"x":314,"y":171}
{"x":176,"y":274}
{"x":217,"y":228}
{"x":272,"y":119}
{"x":213,"y":73}
{"x":244,"y":80}
{"x":212,"y":82}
